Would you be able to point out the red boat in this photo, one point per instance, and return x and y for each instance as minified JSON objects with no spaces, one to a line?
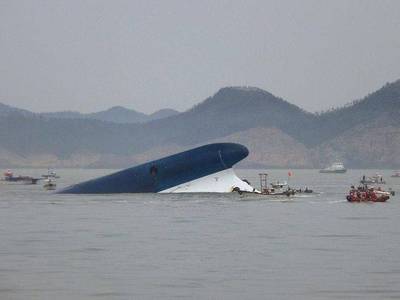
{"x":365,"y":194}
{"x":10,"y":178}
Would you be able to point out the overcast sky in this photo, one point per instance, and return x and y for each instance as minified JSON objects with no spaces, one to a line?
{"x":146,"y":55}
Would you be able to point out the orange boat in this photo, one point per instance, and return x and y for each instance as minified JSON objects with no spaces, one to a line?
{"x":364,"y":194}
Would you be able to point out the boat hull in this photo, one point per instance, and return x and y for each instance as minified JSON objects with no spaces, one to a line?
{"x":20,"y":180}
{"x":372,"y":182}
{"x":359,"y":199}
{"x":170,"y":174}
{"x":333,"y":171}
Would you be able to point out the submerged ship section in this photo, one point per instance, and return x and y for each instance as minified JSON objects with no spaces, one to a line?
{"x":203,"y":169}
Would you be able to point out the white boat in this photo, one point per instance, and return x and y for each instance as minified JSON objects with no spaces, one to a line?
{"x":396,"y":174}
{"x":278,"y":188}
{"x":281,"y":188}
{"x":336,"y":167}
{"x":376,"y":179}
{"x":50,"y":174}
{"x":49,"y":184}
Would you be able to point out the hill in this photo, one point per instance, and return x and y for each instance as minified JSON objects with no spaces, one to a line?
{"x":230,"y":110}
{"x":383,"y":102}
{"x":116,"y":114}
{"x":365,"y":133}
{"x":7,"y":110}
{"x":162,"y":114}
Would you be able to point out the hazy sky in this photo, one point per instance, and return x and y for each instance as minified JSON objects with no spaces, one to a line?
{"x":146,"y":55}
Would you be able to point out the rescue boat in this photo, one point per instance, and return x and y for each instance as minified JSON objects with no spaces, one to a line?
{"x":365,"y":194}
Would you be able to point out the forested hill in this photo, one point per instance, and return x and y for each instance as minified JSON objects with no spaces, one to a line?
{"x":231,"y":110}
{"x":384,"y":103}
{"x":115,"y":114}
{"x":278,"y":134}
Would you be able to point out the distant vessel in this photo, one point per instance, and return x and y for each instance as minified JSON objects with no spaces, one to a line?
{"x":10,"y":178}
{"x":336,"y":167}
{"x":49,"y":184}
{"x":50,"y":174}
{"x":376,"y":179}
{"x":396,"y":174}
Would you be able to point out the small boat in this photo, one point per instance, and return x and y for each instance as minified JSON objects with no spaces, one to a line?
{"x":376,"y":179}
{"x":50,"y":174}
{"x":305,"y":191}
{"x":49,"y":184}
{"x":396,"y":174}
{"x":10,"y":178}
{"x":336,"y":167}
{"x":281,"y":188}
{"x":366,"y":194}
{"x":277,"y":188}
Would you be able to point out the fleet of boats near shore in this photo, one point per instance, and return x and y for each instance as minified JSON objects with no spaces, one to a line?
{"x":9,"y":177}
{"x":369,"y":188}
{"x":48,"y":179}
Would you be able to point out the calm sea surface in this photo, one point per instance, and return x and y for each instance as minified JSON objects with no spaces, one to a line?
{"x":203,"y":246}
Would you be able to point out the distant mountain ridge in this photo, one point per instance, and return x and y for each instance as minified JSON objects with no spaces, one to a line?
{"x":278,"y":134}
{"x":7,"y":109}
{"x":115,"y":114}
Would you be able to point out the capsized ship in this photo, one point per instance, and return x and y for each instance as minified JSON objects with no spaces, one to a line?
{"x":200,"y":170}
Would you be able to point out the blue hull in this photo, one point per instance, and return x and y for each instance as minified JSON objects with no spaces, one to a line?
{"x":165,"y":173}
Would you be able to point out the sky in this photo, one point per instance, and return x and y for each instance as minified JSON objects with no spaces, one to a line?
{"x":146,"y":55}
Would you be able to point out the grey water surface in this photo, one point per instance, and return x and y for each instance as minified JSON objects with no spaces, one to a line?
{"x":199,"y":246}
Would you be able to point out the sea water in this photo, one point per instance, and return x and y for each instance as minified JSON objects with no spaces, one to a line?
{"x":199,"y":246}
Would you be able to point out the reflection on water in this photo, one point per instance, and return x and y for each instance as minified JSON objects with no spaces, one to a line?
{"x":150,"y":246}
